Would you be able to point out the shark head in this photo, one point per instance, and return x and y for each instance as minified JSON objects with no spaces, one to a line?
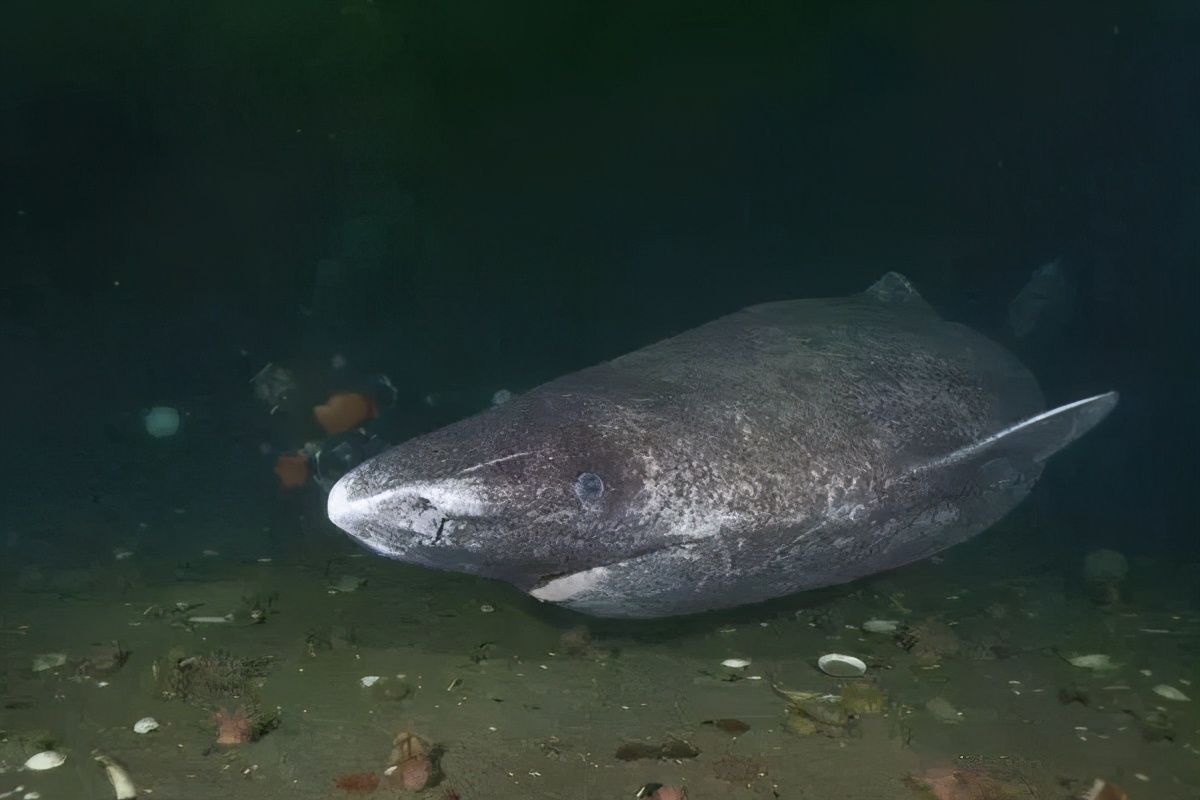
{"x":545,"y":487}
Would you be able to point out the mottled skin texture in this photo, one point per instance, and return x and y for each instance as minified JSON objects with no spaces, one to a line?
{"x":788,"y":446}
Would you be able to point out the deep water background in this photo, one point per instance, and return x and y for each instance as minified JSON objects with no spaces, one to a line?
{"x":470,"y":196}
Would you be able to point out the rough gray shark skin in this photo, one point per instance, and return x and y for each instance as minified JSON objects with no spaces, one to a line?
{"x":785,"y":447}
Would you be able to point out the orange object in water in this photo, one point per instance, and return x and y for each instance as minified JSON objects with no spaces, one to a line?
{"x":292,"y":469}
{"x":345,"y":412}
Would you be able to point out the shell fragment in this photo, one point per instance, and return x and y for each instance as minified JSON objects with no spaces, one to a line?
{"x":1097,"y":661}
{"x":1171,"y":693}
{"x":840,"y":666}
{"x":145,"y":725}
{"x":47,"y":759}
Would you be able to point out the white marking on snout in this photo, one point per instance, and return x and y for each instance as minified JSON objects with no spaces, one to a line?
{"x":419,"y":507}
{"x":493,"y":462}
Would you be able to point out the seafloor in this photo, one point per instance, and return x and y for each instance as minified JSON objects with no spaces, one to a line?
{"x":974,"y":696}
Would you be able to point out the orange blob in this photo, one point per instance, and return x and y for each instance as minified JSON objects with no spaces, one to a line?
{"x":292,"y":469}
{"x":345,"y":412}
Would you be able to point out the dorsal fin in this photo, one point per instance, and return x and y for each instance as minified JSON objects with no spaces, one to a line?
{"x":1034,"y":439}
{"x":895,"y":289}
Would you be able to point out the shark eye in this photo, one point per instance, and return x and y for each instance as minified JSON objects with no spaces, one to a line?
{"x":588,"y":486}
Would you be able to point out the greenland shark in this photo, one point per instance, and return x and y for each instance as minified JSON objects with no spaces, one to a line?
{"x":788,"y":446}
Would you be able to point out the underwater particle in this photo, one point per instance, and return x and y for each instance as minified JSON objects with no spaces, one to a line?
{"x":161,"y":422}
{"x":736,"y":663}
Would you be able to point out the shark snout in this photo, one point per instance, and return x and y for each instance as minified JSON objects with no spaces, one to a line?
{"x":392,"y":519}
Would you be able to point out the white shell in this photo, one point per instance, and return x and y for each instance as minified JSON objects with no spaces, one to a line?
{"x":47,"y":759}
{"x":736,"y":663}
{"x":369,"y":680}
{"x":145,"y":725}
{"x":1096,"y":661}
{"x":881,"y":625}
{"x":840,"y":666}
{"x":1171,"y":693}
